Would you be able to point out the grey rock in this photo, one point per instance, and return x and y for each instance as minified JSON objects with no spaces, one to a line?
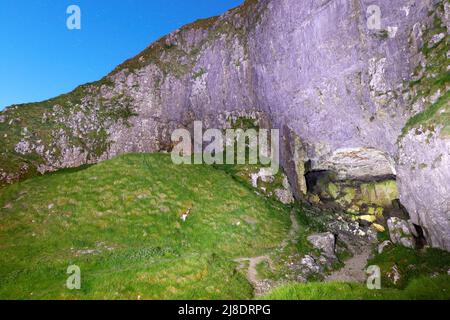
{"x":357,"y":163}
{"x":285,"y":195}
{"x":423,"y":181}
{"x":310,"y":265}
{"x":326,"y":242}
{"x":264,"y":174}
{"x":436,"y":39}
{"x":383,"y":245}
{"x":400,"y":233}
{"x":447,"y":15}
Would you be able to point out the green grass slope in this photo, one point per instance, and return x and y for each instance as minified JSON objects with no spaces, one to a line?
{"x":423,"y":288}
{"x":423,"y":276}
{"x":119,"y":221}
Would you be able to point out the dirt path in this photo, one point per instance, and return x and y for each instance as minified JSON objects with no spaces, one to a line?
{"x":354,"y":268}
{"x":252,"y":274}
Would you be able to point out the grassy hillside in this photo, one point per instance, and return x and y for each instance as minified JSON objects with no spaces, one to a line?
{"x":119,"y":221}
{"x":419,"y":289}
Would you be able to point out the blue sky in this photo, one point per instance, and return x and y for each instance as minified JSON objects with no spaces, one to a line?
{"x":40,"y":58}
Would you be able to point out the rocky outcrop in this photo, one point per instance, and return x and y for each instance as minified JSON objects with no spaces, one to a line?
{"x":357,"y":164}
{"x":325,"y":242}
{"x":339,"y":91}
{"x":424,"y":147}
{"x":400,"y":232}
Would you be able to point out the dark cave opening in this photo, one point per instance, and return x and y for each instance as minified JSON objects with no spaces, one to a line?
{"x":420,"y":238}
{"x":313,"y":177}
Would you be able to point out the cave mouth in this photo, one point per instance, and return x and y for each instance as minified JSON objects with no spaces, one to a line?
{"x":313,"y":177}
{"x":419,"y":237}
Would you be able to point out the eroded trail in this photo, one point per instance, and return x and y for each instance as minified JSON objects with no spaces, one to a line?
{"x":260,"y":286}
{"x":354,"y":268}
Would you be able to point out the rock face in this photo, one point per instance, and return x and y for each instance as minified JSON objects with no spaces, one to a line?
{"x":424,"y":181}
{"x":424,"y":147}
{"x":357,"y":164}
{"x":339,"y":90}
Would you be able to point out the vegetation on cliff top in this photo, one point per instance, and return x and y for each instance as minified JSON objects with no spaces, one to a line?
{"x":38,"y":126}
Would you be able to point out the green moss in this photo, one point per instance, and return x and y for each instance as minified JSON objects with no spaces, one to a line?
{"x":436,"y":114}
{"x":264,"y":271}
{"x":202,"y":23}
{"x":350,"y":194}
{"x":199,"y":73}
{"x":244,"y":123}
{"x":333,"y":190}
{"x":379,"y":193}
{"x":411,"y":264}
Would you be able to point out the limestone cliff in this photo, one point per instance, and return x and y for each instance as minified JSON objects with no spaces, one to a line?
{"x":340,"y":92}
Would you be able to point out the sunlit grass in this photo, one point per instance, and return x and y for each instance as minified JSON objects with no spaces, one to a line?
{"x":120,"y":222}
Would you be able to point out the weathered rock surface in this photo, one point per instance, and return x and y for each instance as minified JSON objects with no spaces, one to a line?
{"x":400,"y":232}
{"x":285,"y":194}
{"x":357,"y":164}
{"x":325,"y":242}
{"x":424,"y":158}
{"x":310,"y":266}
{"x":311,"y":68}
{"x":383,"y":245}
{"x":424,"y":182}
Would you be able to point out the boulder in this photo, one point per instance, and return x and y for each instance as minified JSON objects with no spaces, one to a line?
{"x":400,"y":232}
{"x":383,"y":245}
{"x":378,"y":227}
{"x":325,"y":242}
{"x":285,"y":195}
{"x":310,"y":265}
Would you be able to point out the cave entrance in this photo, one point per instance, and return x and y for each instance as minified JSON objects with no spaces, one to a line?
{"x":420,"y":239}
{"x":313,"y":177}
